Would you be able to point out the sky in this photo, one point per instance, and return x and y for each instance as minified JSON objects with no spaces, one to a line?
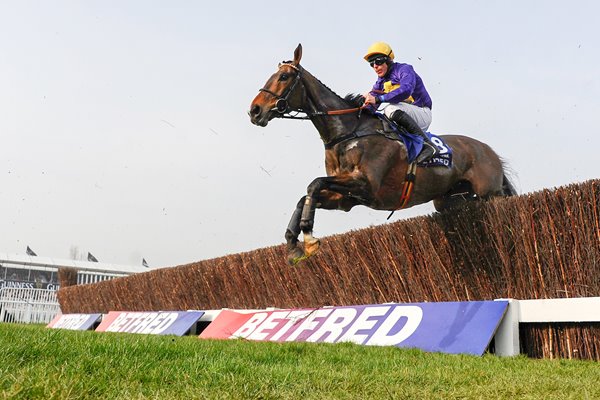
{"x":124,"y":128}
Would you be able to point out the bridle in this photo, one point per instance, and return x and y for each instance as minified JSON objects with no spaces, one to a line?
{"x":282,"y":105}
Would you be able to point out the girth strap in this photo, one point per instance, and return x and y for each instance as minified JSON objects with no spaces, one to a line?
{"x":407,"y":187}
{"x":353,"y":135}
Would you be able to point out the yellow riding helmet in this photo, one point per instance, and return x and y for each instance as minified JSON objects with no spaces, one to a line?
{"x":379,"y":48}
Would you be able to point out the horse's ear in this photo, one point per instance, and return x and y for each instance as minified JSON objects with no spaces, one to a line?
{"x":298,"y":54}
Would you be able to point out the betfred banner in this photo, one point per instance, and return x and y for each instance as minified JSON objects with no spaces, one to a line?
{"x":451,"y":327}
{"x":75,"y":322}
{"x":153,"y":323}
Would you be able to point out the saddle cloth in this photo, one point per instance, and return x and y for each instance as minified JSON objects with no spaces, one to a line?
{"x":414,"y":144}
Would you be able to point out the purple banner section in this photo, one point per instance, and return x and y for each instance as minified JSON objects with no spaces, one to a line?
{"x":153,"y":323}
{"x":451,"y":327}
{"x":75,"y":322}
{"x":457,"y":327}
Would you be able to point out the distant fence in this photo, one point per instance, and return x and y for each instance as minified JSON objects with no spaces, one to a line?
{"x":26,"y":305}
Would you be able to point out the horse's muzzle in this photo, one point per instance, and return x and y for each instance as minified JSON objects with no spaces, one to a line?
{"x":257,"y":116}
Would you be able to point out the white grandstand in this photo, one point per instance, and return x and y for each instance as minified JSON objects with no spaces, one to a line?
{"x":28,"y":284}
{"x":25,"y":271}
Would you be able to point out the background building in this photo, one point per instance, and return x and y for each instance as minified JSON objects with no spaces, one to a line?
{"x":28,"y":284}
{"x":34,"y":272}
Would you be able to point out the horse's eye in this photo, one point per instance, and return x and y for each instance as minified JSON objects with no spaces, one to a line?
{"x":284,"y":77}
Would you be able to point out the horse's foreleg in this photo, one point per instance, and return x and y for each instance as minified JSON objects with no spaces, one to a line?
{"x":307,"y":219}
{"x":329,"y":193}
{"x":295,"y":253}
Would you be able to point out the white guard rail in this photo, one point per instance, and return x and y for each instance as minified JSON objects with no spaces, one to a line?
{"x":579,"y":309}
{"x":29,"y":306}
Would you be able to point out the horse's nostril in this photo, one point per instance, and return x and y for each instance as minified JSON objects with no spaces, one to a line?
{"x":255,"y":111}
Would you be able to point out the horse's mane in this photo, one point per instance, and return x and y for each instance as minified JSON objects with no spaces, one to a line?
{"x":355,"y":99}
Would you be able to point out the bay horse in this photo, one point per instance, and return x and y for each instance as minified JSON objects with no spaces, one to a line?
{"x":364,"y":167}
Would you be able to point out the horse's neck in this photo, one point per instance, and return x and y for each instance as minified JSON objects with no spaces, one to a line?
{"x":321,"y":98}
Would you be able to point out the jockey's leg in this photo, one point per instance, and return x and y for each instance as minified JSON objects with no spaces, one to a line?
{"x":401,"y":115}
{"x":421,"y":115}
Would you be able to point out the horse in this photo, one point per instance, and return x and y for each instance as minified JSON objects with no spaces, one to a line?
{"x":365,"y":167}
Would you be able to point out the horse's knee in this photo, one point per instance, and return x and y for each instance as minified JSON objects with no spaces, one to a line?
{"x":315,"y":186}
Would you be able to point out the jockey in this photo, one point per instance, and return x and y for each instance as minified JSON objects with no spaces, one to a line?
{"x":402,"y":94}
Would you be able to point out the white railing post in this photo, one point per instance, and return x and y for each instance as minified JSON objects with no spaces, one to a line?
{"x":2,"y":308}
{"x":507,"y":335}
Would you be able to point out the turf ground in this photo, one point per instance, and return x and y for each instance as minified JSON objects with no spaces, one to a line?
{"x":40,"y":363}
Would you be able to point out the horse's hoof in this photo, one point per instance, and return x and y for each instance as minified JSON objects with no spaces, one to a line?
{"x":311,"y":245}
{"x":295,"y":256}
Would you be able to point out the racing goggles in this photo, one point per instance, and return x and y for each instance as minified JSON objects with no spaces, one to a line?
{"x":378,"y":61}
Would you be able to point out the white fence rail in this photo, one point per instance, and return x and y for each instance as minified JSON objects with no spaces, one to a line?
{"x":581,"y":309}
{"x":26,"y":305}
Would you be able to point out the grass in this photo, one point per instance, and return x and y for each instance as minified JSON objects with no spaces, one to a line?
{"x":40,"y":363}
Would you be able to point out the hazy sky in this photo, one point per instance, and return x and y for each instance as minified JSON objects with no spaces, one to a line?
{"x":124,"y":127}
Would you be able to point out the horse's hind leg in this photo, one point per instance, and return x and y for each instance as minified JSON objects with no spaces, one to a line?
{"x":486,"y":175}
{"x":475,"y":188}
{"x":295,"y":253}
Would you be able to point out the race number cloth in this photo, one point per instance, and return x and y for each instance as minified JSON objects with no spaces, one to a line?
{"x":452,"y":327}
{"x":414,"y":144}
{"x":75,"y":322}
{"x":154,"y":323}
{"x":444,"y":156}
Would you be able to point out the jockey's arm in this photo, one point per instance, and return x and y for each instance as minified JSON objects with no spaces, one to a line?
{"x":405,"y":81}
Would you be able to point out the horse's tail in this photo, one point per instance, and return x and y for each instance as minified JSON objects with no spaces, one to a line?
{"x":508,"y":189}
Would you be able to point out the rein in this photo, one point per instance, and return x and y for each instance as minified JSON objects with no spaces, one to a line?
{"x":343,"y":111}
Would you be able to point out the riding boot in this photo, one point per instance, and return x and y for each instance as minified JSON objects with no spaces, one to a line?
{"x":404,"y":120}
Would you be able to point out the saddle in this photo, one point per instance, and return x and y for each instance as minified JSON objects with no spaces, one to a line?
{"x":414,"y":143}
